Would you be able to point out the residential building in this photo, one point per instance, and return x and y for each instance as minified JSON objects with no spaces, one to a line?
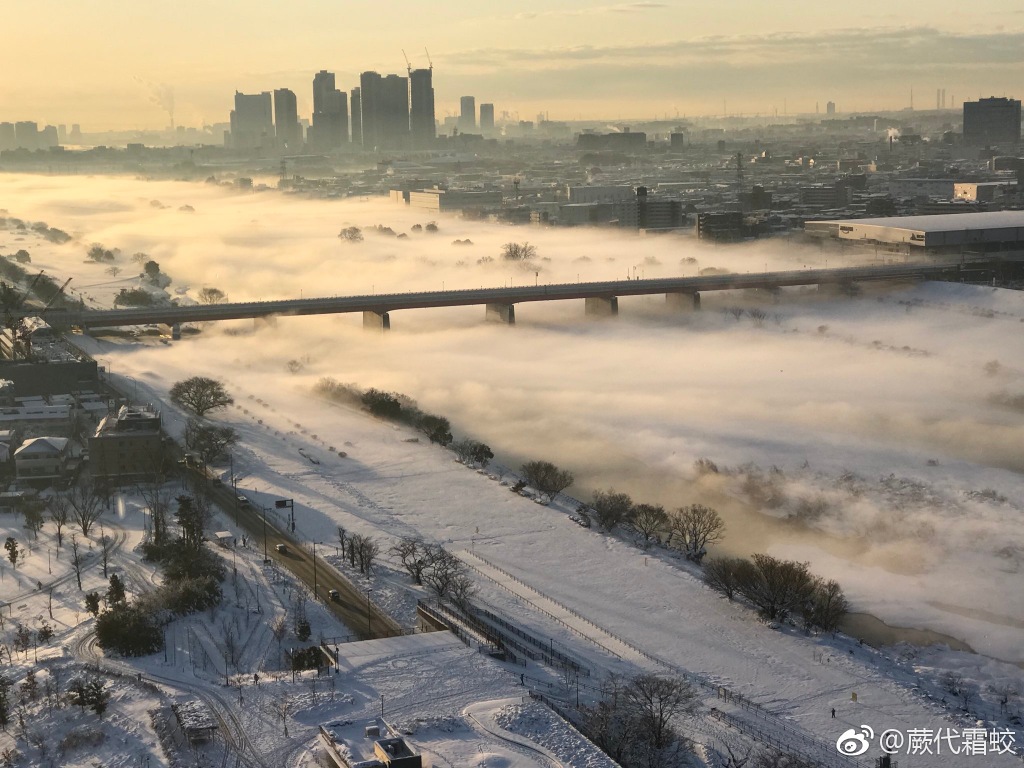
{"x":129,"y":446}
{"x":252,"y":121}
{"x":286,"y":120}
{"x":42,"y":458}
{"x":421,"y":114}
{"x":467,"y":114}
{"x":486,"y":118}
{"x":355,"y":100}
{"x":330,"y":113}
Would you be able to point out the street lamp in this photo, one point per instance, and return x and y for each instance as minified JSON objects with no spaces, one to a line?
{"x":369,"y":630}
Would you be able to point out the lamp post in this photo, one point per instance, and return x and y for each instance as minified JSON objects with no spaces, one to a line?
{"x":264,"y":510}
{"x":369,"y":629}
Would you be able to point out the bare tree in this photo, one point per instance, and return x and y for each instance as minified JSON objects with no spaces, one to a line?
{"x":104,"y":549}
{"x":694,"y":527}
{"x":209,"y":441}
{"x":518,"y":251}
{"x":59,"y":510}
{"x":462,"y":590}
{"x":658,"y":701}
{"x":1005,"y":692}
{"x":773,"y":758}
{"x":414,"y":556}
{"x":367,"y":551}
{"x":776,"y":587}
{"x":211,"y":296}
{"x":647,"y":520}
{"x":546,"y":477}
{"x":342,"y":539}
{"x":826,"y":607}
{"x":722,"y":574}
{"x":200,"y":395}
{"x":444,"y":569}
{"x":76,"y":561}
{"x":33,"y":515}
{"x":86,"y":502}
{"x":611,"y":509}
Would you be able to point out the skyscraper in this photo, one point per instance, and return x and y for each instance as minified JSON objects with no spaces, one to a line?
{"x":252,"y":122}
{"x":357,"y":117}
{"x":286,"y":119}
{"x":369,"y":95}
{"x":330,"y":113}
{"x":467,"y":117}
{"x":992,"y":121}
{"x":486,"y":118}
{"x":393,"y":112}
{"x":421,"y":115}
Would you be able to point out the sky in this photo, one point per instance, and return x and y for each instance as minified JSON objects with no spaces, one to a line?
{"x":112,"y":64}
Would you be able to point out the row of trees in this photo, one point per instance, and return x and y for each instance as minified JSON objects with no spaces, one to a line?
{"x":360,"y":550}
{"x":87,"y":692}
{"x":435,"y":567}
{"x":779,"y":589}
{"x":689,"y":529}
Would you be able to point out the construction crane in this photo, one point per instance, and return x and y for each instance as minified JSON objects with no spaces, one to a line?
{"x":408,"y":66}
{"x":54,"y":297}
{"x":428,"y":58}
{"x":19,"y":302}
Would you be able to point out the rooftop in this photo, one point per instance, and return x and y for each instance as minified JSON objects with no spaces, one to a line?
{"x":957,"y":222}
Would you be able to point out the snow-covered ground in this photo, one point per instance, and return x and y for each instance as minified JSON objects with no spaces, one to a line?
{"x":899,"y":409}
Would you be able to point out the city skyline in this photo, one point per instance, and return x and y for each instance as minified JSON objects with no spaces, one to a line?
{"x":582,"y":60}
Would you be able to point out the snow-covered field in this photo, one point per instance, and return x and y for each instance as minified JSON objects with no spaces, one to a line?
{"x":898,"y":410}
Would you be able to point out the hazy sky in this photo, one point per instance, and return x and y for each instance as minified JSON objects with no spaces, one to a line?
{"x":112,"y":63}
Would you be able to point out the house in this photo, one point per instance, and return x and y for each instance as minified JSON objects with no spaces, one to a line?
{"x":395,"y":753}
{"x":42,"y":458}
{"x":127,"y":447}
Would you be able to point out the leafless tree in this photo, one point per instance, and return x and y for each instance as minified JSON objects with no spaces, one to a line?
{"x":776,"y":587}
{"x":776,"y":759}
{"x":76,"y":561}
{"x":722,"y":574}
{"x":367,"y":551}
{"x":211,"y":296}
{"x":59,"y":510}
{"x":462,"y":590}
{"x":104,"y":550}
{"x":86,"y":505}
{"x":648,"y":520}
{"x":736,"y":756}
{"x":658,"y":701}
{"x":546,"y":477}
{"x":693,"y":528}
{"x":414,"y":556}
{"x":518,"y":251}
{"x":342,"y":539}
{"x":826,"y":606}
{"x":443,"y":571}
{"x":611,"y":509}
{"x":200,"y":395}
{"x":1005,"y":692}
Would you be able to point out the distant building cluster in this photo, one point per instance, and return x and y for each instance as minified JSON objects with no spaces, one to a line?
{"x":27,"y":135}
{"x":383,"y":112}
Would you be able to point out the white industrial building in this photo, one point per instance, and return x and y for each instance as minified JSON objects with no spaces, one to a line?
{"x":989,"y":233}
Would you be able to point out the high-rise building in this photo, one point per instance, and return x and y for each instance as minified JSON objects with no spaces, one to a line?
{"x":421,"y":114}
{"x":369,"y":100}
{"x":486,"y":118}
{"x":394,"y":112}
{"x":357,"y":117}
{"x":26,"y":134}
{"x":7,"y":140}
{"x":992,"y":121}
{"x":830,"y":108}
{"x":286,"y":119}
{"x":330,"y":113}
{"x":252,"y":121}
{"x":467,"y":114}
{"x":384,"y":109}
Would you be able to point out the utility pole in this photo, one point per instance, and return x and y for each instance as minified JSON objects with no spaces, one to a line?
{"x":314,"y":571}
{"x":264,"y":510}
{"x":369,"y":630}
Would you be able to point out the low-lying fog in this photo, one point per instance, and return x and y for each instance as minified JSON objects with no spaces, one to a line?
{"x":878,"y":437}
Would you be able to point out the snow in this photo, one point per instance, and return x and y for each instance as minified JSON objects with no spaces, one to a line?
{"x":839,"y":395}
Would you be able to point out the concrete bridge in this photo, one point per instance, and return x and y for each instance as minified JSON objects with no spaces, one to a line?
{"x":601,"y":298}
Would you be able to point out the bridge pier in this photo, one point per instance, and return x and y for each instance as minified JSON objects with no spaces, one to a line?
{"x":602,"y":306}
{"x":264,"y":321}
{"x":376,"y":321}
{"x":500,"y":313}
{"x":682,"y":301}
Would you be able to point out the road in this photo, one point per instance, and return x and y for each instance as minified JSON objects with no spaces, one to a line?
{"x":362,"y":617}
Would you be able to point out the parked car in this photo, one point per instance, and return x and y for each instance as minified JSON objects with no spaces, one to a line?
{"x":281,"y":548}
{"x":335,"y":595}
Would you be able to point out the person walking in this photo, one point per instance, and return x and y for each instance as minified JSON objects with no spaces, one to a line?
{"x":833,"y":713}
